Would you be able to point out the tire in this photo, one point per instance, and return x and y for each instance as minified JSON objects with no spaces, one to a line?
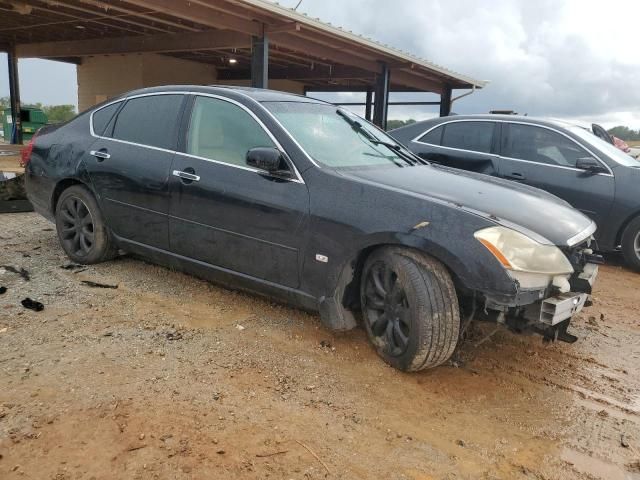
{"x":631,"y":244}
{"x":81,"y":228}
{"x":417,"y":292}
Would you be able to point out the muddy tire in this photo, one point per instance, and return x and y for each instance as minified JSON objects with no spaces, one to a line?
{"x":631,"y":244}
{"x":410,"y":308}
{"x":81,"y":229}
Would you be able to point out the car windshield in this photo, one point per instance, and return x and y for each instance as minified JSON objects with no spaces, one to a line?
{"x":337,"y":138}
{"x":611,"y":151}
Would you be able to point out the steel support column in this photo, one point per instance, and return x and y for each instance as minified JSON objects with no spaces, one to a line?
{"x":368,"y":104}
{"x":260,"y":62}
{"x":14,"y":95}
{"x":445,"y":101}
{"x":381,"y":106}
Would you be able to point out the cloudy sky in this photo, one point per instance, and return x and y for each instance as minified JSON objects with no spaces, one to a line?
{"x":575,"y":59}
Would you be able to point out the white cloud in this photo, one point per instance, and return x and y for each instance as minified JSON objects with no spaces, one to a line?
{"x":569,"y":59}
{"x":561,"y":58}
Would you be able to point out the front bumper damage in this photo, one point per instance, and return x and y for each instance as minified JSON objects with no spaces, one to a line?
{"x":547,"y":312}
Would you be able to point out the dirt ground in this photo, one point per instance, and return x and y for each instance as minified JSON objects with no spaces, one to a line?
{"x":167,"y":376}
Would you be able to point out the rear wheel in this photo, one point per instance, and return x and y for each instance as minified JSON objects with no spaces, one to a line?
{"x":81,"y":228}
{"x":410,"y":308}
{"x":631,"y":244}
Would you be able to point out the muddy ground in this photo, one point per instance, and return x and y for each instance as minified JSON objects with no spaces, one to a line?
{"x":167,"y":376}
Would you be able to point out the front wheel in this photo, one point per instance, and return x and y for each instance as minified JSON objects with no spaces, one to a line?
{"x":81,"y":228}
{"x":410,"y":308}
{"x":631,"y":244}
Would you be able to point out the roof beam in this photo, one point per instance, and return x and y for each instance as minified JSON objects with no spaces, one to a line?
{"x":162,"y":43}
{"x":307,"y":47}
{"x":283,"y":27}
{"x":199,"y":14}
{"x":410,"y":80}
{"x":146,"y":16}
{"x":301,"y":73}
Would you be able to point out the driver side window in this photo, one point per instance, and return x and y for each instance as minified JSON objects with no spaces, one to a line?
{"x":222,"y":131}
{"x":541,"y":145}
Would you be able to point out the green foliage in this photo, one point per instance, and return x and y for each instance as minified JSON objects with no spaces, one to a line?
{"x":625,"y":133}
{"x":54,"y":113}
{"x":393,"y":124}
{"x":59,"y":113}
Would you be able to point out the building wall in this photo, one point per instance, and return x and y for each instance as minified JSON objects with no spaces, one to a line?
{"x":105,"y":76}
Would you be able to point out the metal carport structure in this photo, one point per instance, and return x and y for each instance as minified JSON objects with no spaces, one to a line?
{"x":243,"y":40}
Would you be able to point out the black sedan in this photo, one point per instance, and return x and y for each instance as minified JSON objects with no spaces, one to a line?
{"x":304,"y":202}
{"x":569,"y":161}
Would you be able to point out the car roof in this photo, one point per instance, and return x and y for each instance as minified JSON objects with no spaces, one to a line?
{"x":257,"y":94}
{"x":549,"y":122}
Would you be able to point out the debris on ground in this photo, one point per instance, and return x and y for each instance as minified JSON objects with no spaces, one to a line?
{"x":172,"y":335}
{"x":89,"y":283}
{"x":32,"y":304}
{"x":71,"y":266}
{"x":623,"y":441}
{"x":22,"y":272}
{"x":3,"y":290}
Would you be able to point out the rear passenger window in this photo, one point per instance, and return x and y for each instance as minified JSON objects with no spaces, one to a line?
{"x":474,"y":136}
{"x":102,"y":117}
{"x":433,"y":137}
{"x":150,"y":121}
{"x":222,"y":131}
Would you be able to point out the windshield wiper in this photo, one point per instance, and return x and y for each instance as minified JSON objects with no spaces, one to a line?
{"x":410,"y":158}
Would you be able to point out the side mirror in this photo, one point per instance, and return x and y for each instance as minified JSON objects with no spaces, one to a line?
{"x":590,"y":164}
{"x":266,"y":158}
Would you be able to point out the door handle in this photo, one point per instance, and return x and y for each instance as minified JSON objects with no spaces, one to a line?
{"x":186,"y":176}
{"x":100,"y":154}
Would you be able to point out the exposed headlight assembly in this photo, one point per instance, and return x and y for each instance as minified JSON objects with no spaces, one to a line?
{"x":531,"y":263}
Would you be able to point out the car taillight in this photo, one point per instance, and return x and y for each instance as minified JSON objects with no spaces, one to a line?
{"x":25,"y":154}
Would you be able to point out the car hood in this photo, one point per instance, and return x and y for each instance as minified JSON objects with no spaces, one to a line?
{"x":527,"y":209}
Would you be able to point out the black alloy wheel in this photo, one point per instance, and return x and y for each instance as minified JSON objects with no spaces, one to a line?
{"x":409,"y":308}
{"x":631,"y":244}
{"x":82,"y":231}
{"x":388,"y":310}
{"x":77,"y":234}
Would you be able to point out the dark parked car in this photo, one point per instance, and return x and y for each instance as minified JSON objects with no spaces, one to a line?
{"x":306,"y":203}
{"x":567,"y":160}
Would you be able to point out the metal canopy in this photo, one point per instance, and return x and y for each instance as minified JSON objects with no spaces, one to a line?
{"x":290,"y":45}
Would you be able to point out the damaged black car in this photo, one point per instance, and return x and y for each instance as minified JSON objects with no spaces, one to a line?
{"x":306,"y":203}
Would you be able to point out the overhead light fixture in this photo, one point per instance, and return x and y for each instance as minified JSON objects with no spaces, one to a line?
{"x":233,"y":61}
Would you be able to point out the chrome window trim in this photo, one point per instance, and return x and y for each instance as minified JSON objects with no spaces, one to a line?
{"x":417,"y":140}
{"x":273,"y":117}
{"x":583,"y":235}
{"x":298,"y":178}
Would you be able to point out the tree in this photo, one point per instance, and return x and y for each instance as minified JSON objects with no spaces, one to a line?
{"x":392,"y":124}
{"x":625,"y":133}
{"x":59,"y":113}
{"x":54,"y":113}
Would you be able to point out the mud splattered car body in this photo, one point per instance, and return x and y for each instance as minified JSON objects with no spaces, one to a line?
{"x":301,"y":201}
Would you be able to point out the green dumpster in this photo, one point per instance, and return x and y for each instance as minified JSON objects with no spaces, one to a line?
{"x":32,"y":119}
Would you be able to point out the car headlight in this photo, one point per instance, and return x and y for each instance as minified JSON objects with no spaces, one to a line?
{"x":519,"y":253}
